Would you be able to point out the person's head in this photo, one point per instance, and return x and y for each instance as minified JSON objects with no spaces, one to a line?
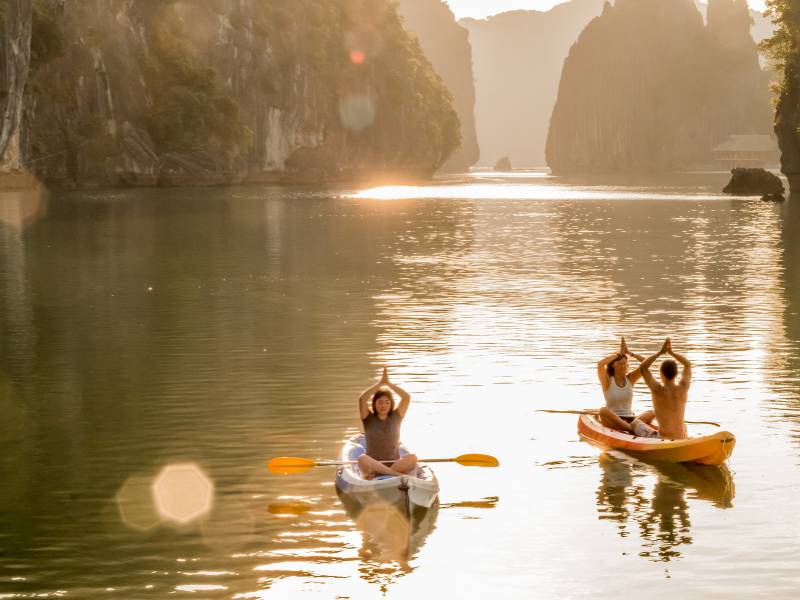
{"x":618,"y":365}
{"x":669,"y":370}
{"x":382,"y":403}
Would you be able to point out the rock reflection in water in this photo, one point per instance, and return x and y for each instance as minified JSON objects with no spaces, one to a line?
{"x":662,"y":517}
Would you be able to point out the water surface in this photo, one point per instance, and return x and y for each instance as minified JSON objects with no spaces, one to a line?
{"x":219,"y":327}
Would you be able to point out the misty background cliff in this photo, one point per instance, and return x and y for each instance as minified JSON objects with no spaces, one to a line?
{"x":518,"y":59}
{"x":650,"y":87}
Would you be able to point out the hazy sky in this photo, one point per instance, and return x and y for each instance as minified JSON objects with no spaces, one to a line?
{"x":482,"y":8}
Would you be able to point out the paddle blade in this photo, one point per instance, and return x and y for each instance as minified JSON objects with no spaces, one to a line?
{"x":477,"y":460}
{"x":290,"y":508}
{"x":290,"y":465}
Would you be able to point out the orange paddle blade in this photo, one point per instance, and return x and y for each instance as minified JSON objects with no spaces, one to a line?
{"x":477,"y":460}
{"x":290,"y":465}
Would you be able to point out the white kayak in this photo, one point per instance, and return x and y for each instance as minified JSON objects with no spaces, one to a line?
{"x":410,"y":493}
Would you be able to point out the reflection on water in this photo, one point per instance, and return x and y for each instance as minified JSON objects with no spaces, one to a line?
{"x":390,"y":540}
{"x":220,"y":327}
{"x":490,"y":502}
{"x":650,"y":499}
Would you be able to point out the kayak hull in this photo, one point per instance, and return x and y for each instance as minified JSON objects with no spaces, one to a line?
{"x":410,"y":493}
{"x":711,"y":449}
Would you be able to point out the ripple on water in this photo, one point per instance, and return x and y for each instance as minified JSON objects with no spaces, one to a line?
{"x":144,"y":328}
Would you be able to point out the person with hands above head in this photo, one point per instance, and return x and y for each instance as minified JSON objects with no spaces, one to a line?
{"x":669,"y":396}
{"x":617,"y":384}
{"x":382,"y":420}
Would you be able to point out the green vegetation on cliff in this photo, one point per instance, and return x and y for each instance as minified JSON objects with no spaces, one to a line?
{"x":784,"y":49}
{"x":188,"y":111}
{"x":47,"y":37}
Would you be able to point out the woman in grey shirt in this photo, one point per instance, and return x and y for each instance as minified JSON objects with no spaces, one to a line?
{"x":382,"y":422}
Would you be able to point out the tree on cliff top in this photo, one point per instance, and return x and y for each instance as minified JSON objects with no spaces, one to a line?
{"x":784,"y":49}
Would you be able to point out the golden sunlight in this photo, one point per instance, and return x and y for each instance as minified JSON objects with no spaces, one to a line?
{"x":512,"y":191}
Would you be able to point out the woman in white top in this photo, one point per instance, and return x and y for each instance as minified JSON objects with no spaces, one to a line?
{"x":617,"y":386}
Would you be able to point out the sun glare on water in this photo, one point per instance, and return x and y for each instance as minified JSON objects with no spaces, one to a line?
{"x":506,"y":191}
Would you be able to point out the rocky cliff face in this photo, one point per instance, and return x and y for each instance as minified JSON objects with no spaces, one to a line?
{"x":446,"y":44}
{"x":648,"y":87}
{"x":787,"y":120}
{"x":517,"y":60}
{"x":15,"y":41}
{"x":177,"y":92}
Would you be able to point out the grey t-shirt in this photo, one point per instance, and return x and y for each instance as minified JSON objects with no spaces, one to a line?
{"x":383,"y":437}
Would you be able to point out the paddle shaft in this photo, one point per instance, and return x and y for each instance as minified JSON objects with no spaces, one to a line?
{"x":291,"y":464}
{"x":336,"y":463}
{"x":594,"y":413}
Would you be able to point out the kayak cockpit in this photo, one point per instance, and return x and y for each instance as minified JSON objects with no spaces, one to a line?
{"x":356,"y":446}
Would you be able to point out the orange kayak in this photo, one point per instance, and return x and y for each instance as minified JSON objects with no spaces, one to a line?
{"x":705,"y":450}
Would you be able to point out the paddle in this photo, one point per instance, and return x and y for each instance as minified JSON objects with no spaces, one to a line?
{"x":594,"y":412}
{"x":290,"y":465}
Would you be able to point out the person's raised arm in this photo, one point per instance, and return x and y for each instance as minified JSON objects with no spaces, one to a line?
{"x":637,"y":373}
{"x":363,"y":399}
{"x":644,"y":368}
{"x":602,"y":372}
{"x":405,"y":398}
{"x":686,"y":377}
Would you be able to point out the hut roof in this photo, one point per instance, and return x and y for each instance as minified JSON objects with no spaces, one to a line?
{"x":748,"y":143}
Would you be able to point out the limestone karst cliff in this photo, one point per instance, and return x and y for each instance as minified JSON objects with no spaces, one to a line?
{"x":174,"y":92}
{"x":15,"y":33}
{"x":649,"y":87}
{"x":517,"y":60}
{"x":446,"y":44}
{"x":518,"y":57}
{"x":784,"y":50}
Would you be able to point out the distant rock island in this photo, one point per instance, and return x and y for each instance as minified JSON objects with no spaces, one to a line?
{"x":754,"y":182}
{"x":504,"y":164}
{"x":650,"y":87}
{"x":518,"y":58}
{"x":446,"y":44}
{"x":139,"y":92}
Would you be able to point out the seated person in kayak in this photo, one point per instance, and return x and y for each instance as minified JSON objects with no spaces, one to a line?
{"x":617,"y":384}
{"x":669,"y":397}
{"x":382,"y":422}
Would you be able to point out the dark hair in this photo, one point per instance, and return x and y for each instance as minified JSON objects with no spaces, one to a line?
{"x":380,"y":394}
{"x":669,"y":369}
{"x":610,"y":366}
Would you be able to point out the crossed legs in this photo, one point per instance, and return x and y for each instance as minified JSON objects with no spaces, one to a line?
{"x":370,"y":467}
{"x":610,"y":419}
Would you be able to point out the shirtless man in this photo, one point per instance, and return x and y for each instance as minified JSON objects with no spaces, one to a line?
{"x":669,"y":397}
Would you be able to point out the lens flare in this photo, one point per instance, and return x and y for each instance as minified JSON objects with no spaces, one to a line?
{"x":357,"y":112}
{"x":183,"y":493}
{"x":21,"y":208}
{"x":135,"y":503}
{"x":357,"y":57}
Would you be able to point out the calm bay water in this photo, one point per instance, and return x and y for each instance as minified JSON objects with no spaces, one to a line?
{"x":220,"y":327}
